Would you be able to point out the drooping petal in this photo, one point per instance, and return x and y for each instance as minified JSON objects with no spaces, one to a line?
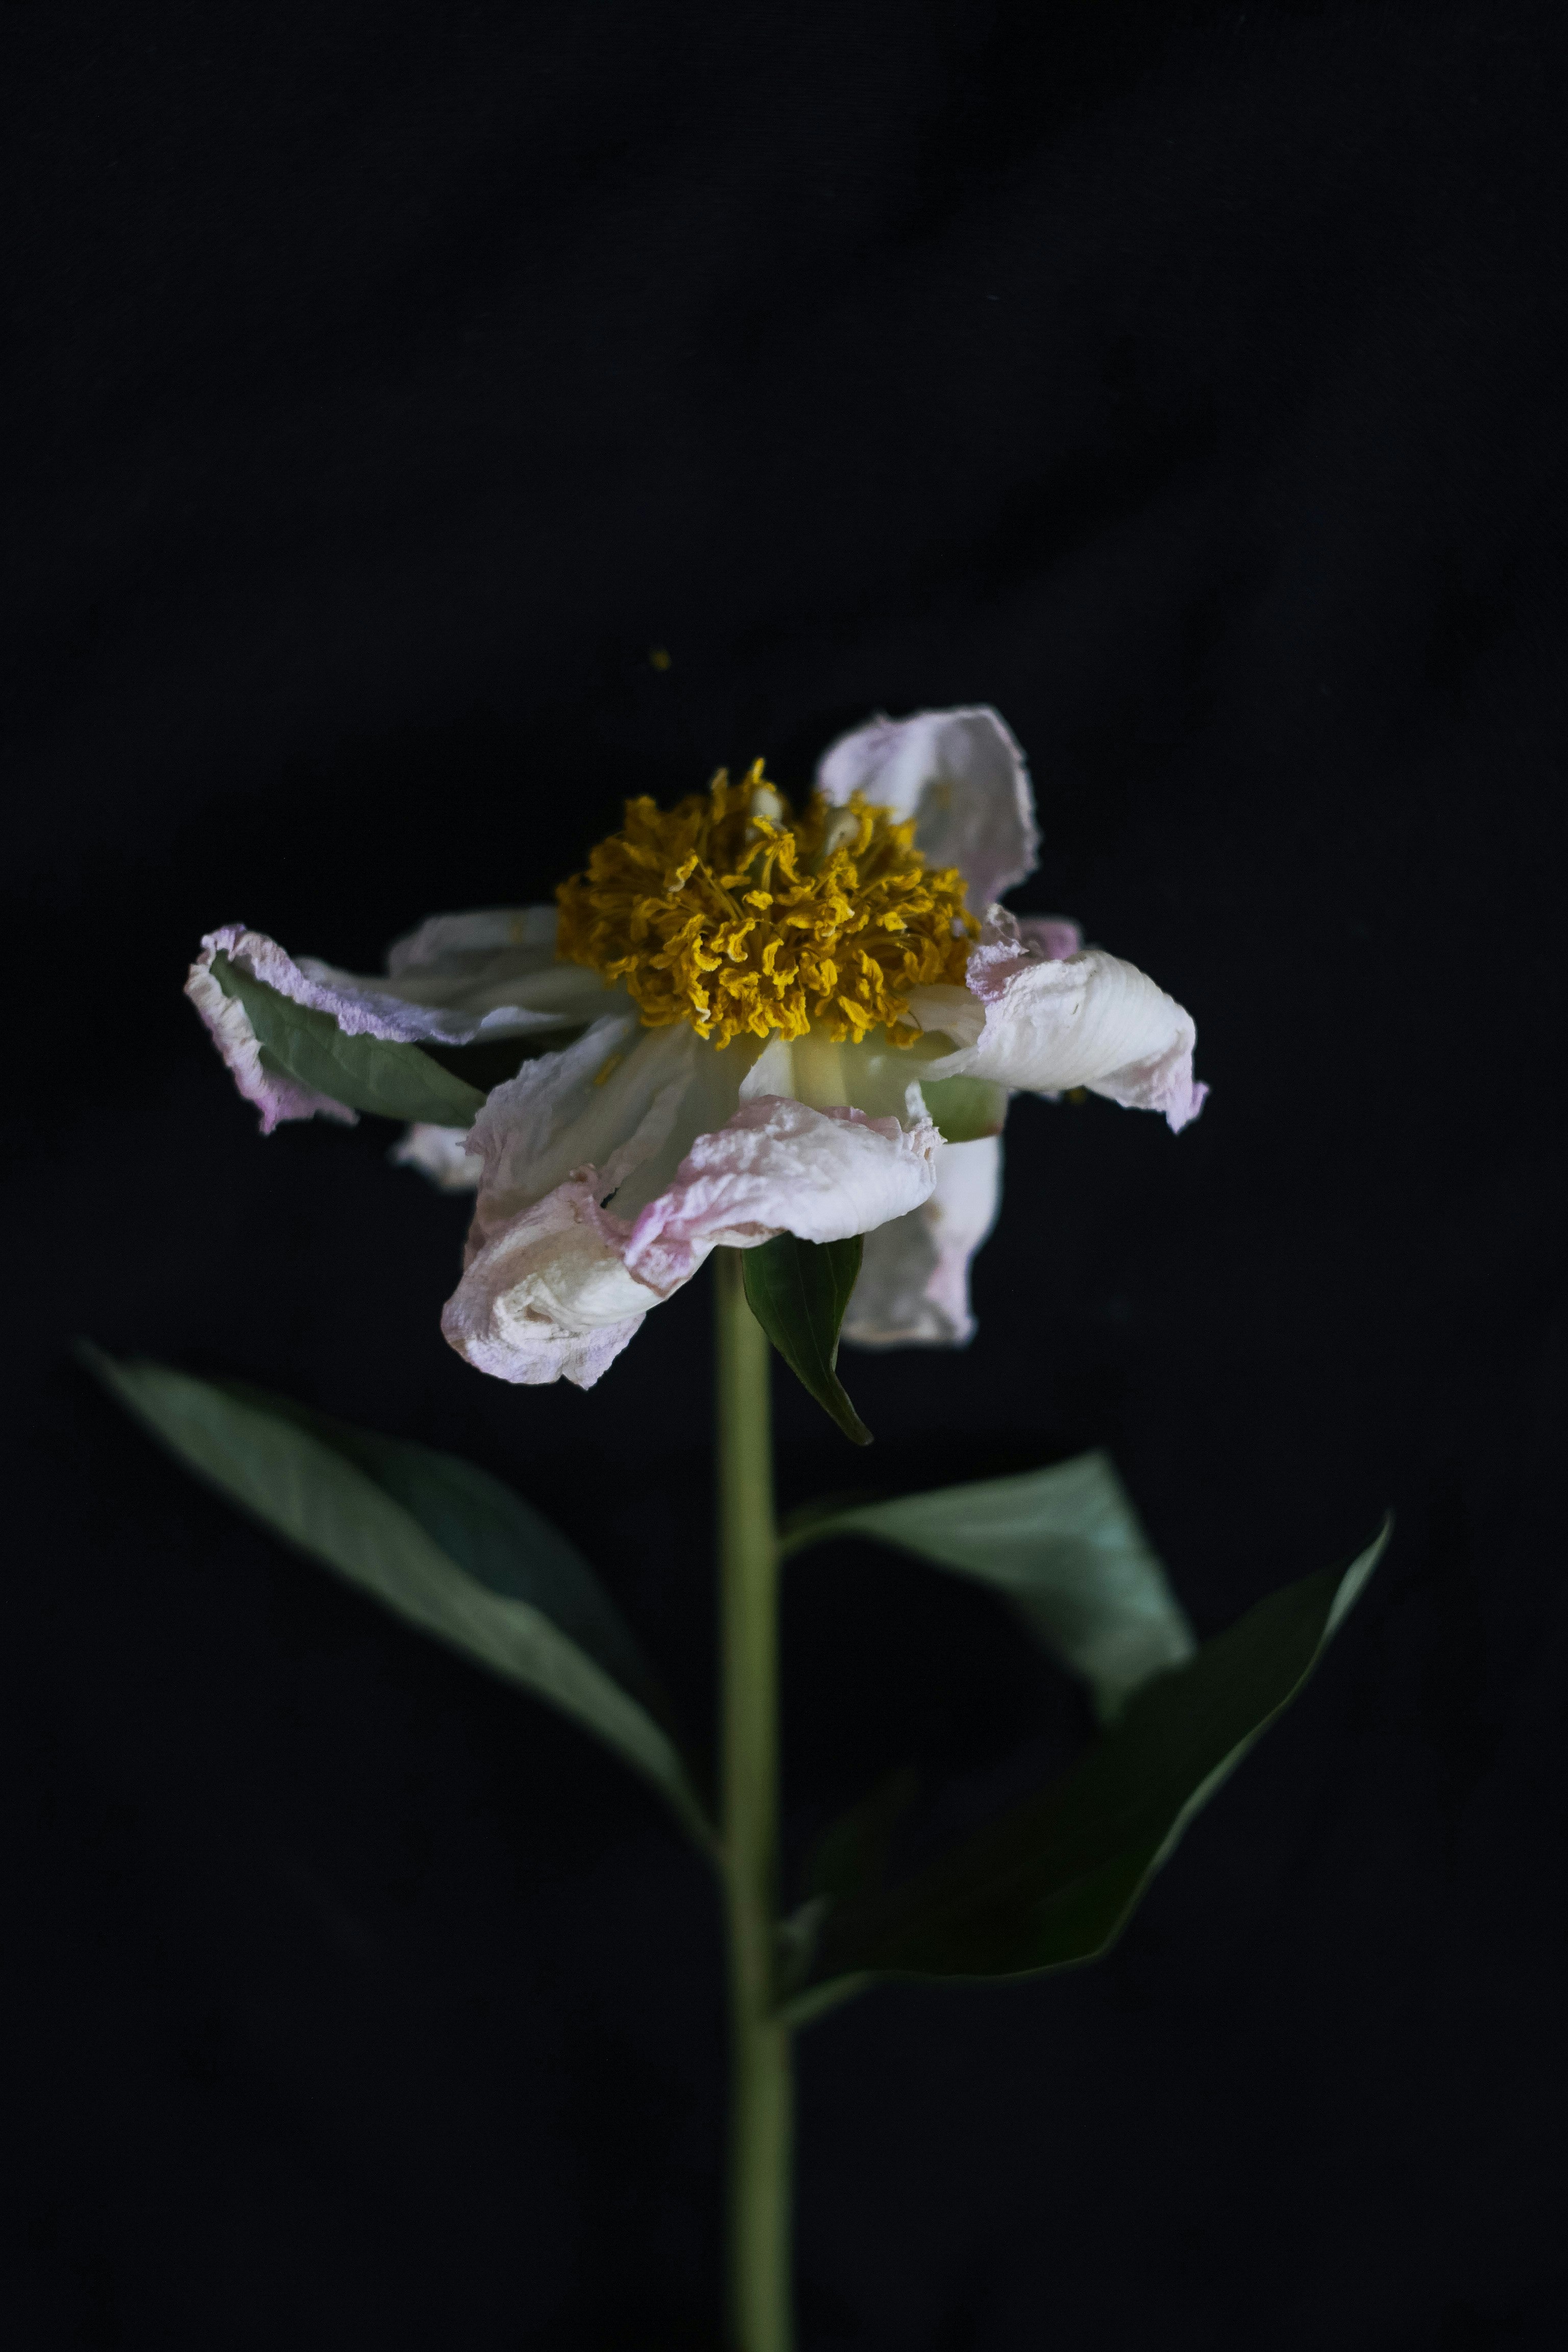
{"x":914,"y":1290}
{"x":1086,"y":1020}
{"x":557,"y":1290}
{"x":276,"y":1096}
{"x":547,"y":1296}
{"x":454,"y":984}
{"x":960,"y":776}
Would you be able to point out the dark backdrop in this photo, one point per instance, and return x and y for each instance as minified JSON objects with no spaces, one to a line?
{"x":386,"y":385}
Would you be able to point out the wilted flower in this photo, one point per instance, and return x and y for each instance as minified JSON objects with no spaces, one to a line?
{"x":783,"y":1024}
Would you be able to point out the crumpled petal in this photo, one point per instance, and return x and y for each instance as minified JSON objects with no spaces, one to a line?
{"x":616,"y":1098}
{"x":914,"y":1290}
{"x":547,"y":1298}
{"x":227,"y":1024}
{"x":961,"y":775}
{"x":558,"y":1290}
{"x":779,"y":1167}
{"x":1087,"y":1020}
{"x":459,"y":978}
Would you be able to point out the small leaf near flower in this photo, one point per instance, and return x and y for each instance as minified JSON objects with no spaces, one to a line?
{"x":364,"y":1072}
{"x":435,"y":1539}
{"x":1053,"y":1881}
{"x":798,"y":1292}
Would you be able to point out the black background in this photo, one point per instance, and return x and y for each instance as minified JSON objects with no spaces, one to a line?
{"x":385,"y":385}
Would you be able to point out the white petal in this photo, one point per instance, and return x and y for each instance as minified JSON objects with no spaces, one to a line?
{"x":779,"y":1167}
{"x":914,"y":1290}
{"x":441,"y":1153}
{"x":1087,"y":1020}
{"x":440,"y":939}
{"x":962,"y":777}
{"x":492,"y":975}
{"x":547,"y":1298}
{"x":558,"y":1290}
{"x":623,"y":1100}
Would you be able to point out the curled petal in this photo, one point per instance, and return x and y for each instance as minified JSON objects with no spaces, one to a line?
{"x":914,"y":1290}
{"x":556,"y":1291}
{"x":276,"y":1096}
{"x":1086,"y":1020}
{"x":549,"y":1298}
{"x":962,"y":777}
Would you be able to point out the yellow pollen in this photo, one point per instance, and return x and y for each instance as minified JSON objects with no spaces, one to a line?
{"x":730,"y":913}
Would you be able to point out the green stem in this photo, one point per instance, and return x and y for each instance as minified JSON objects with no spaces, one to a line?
{"x":762,"y":2092}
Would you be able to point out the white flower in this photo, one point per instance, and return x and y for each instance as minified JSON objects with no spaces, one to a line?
{"x":776,"y":1025}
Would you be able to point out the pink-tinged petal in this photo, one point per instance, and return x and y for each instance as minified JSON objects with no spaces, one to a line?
{"x":555,"y":1291}
{"x":1087,"y":1020}
{"x":442,"y":1154}
{"x":445,"y":995}
{"x":548,"y":1296}
{"x":779,"y":1167}
{"x":914,"y":1290}
{"x":960,"y":776}
{"x":455,"y":979}
{"x":276,"y":1098}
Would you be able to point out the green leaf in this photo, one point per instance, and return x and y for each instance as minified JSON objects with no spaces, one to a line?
{"x":1065,"y":1547}
{"x":1052,"y":1882}
{"x":366,"y":1073}
{"x":435,"y":1539}
{"x":798,"y":1292}
{"x":965,"y":1108}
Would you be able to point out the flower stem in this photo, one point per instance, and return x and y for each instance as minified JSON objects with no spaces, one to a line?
{"x":762,"y":2092}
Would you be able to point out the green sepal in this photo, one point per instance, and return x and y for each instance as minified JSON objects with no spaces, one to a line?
{"x":1051,"y":1882}
{"x":798,"y":1292}
{"x":435,"y":1539}
{"x":373,"y":1074}
{"x":1066,"y":1548}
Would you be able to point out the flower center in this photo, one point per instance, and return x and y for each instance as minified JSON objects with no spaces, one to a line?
{"x":730,"y":913}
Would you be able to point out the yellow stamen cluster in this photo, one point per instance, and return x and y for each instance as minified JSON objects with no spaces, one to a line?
{"x":728,"y":912}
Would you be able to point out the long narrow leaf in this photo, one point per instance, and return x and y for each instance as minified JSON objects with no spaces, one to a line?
{"x":1065,"y":1546}
{"x":1052,"y":1882}
{"x":436,"y":1541}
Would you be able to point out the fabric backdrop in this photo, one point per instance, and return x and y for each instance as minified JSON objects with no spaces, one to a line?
{"x":385,"y":388}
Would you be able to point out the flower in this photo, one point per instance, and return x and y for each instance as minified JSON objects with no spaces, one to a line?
{"x":758,"y":1023}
